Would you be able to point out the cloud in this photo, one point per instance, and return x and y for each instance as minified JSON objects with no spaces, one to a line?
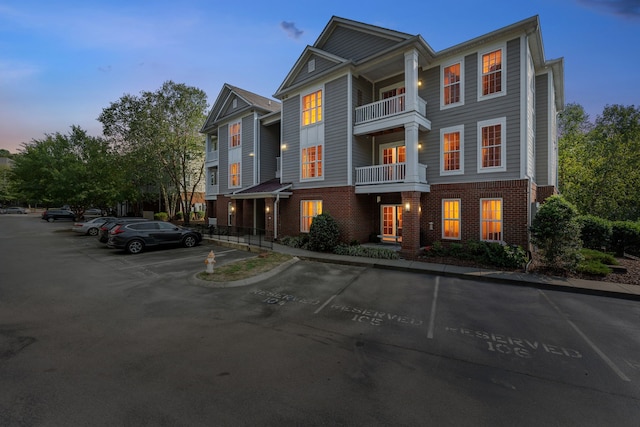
{"x":290,"y":28}
{"x":625,"y":8}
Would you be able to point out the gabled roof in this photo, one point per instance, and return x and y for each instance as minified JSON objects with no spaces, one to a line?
{"x":269,"y":188}
{"x":337,"y":22}
{"x":227,"y":93}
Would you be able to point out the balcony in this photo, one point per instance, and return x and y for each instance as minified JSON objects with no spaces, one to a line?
{"x":212,"y":191}
{"x":212,"y":156}
{"x":389,"y":113}
{"x":387,"y":174}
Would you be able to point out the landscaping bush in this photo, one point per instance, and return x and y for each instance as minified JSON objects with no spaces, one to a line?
{"x":595,"y":262}
{"x":595,"y":232}
{"x":484,"y":253}
{"x":199,"y":214}
{"x":625,"y":237}
{"x":324,"y":233}
{"x":179,"y":216}
{"x":365,"y":251}
{"x":161,"y":216}
{"x":555,"y":231}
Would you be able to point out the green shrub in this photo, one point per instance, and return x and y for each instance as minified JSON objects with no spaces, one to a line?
{"x":365,"y":251}
{"x":179,"y":216}
{"x":484,"y":253}
{"x":555,"y":231}
{"x":603,"y":257}
{"x":595,"y":232}
{"x":301,"y":241}
{"x":625,"y":237}
{"x":161,"y":216}
{"x":200,"y":214}
{"x":324,"y":233}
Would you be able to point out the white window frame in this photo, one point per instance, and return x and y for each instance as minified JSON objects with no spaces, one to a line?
{"x":502,"y":121}
{"x":304,"y":219}
{"x":231,"y":125}
{"x":503,"y":72}
{"x":453,"y":129}
{"x":459,"y":219}
{"x":312,"y":135}
{"x":230,"y":182}
{"x":444,"y":106}
{"x":501,"y":221}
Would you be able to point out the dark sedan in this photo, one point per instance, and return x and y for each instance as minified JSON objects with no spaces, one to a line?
{"x":135,"y":237}
{"x":51,"y":215}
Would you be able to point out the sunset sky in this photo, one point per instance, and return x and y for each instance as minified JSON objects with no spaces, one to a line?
{"x":62,"y":62}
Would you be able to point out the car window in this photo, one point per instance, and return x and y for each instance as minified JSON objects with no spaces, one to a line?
{"x":166,"y":226}
{"x":143,"y":226}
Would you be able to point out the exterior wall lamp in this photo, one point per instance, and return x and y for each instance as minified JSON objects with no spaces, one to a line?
{"x":267,"y":209}
{"x":407,"y":207}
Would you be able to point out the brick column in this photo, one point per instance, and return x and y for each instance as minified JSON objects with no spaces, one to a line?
{"x":410,"y":224}
{"x":268,"y":218}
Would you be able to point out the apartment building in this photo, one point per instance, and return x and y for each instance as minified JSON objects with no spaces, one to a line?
{"x":398,"y":142}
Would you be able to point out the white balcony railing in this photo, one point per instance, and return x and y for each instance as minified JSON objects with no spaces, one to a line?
{"x":212,"y":156}
{"x":212,"y":190}
{"x":387,"y":174}
{"x":385,"y":108}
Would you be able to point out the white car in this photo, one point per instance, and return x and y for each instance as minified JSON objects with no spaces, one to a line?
{"x":15,"y":210}
{"x":92,"y":226}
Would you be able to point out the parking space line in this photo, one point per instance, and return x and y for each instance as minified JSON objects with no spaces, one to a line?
{"x":319,"y":309}
{"x":595,"y":348}
{"x":174,"y":259}
{"x":432,"y":317}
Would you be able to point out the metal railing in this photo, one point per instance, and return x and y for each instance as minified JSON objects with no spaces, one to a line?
{"x":243,"y":235}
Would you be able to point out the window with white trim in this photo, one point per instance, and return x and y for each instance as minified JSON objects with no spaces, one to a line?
{"x":492,"y":73}
{"x":312,"y":137}
{"x":452,"y":89}
{"x":451,"y":219}
{"x":312,"y":108}
{"x":492,"y":150}
{"x":234,"y":175}
{"x":491,"y":220}
{"x":452,"y":150}
{"x":308,"y":210}
{"x":234,"y":134}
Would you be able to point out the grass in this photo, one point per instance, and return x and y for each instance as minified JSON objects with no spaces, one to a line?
{"x":246,"y":268}
{"x":595,"y":262}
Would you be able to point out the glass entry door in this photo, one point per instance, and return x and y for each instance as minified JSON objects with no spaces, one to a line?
{"x":391,"y":223}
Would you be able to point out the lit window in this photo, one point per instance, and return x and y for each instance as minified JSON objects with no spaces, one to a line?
{"x":309,"y":209}
{"x":492,"y":145}
{"x":492,"y":75}
{"x":234,"y":134}
{"x":234,"y":175}
{"x":452,"y":150}
{"x":312,"y":162}
{"x":451,"y":219}
{"x":312,"y":108}
{"x":452,"y":84}
{"x":491,"y":220}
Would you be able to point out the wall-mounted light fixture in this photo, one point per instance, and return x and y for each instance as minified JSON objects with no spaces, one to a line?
{"x":251,"y":154}
{"x":407,"y":207}
{"x":283,"y":147}
{"x":419,"y":83}
{"x":419,"y":145}
{"x":267,"y":209}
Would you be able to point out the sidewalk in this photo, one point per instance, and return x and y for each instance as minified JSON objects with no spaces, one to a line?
{"x":592,"y":287}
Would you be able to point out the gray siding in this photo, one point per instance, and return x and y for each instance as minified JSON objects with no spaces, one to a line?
{"x":229,"y":110}
{"x":246,"y":178}
{"x":542,"y":130}
{"x":322,"y":65}
{"x":335,"y":134}
{"x":352,"y":44}
{"x":269,"y":150}
{"x":223,"y":164}
{"x":291,"y":138}
{"x":469,"y":114}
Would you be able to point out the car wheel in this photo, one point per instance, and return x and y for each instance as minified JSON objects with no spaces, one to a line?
{"x":92,"y":231}
{"x":189,"y":241}
{"x":135,"y":247}
{"x":51,"y":219}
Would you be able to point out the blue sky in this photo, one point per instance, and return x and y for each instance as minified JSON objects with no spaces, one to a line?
{"x":63,"y":61}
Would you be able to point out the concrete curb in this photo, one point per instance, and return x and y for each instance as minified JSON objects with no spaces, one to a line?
{"x":243,"y":282}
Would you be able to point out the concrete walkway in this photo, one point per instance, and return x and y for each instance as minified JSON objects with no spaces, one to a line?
{"x":593,"y":287}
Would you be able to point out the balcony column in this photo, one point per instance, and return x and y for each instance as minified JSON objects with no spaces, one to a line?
{"x":411,"y":134}
{"x":410,"y":224}
{"x":411,"y":80}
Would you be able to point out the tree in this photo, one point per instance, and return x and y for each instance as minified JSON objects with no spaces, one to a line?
{"x":160,"y":130}
{"x":75,"y":169}
{"x":599,"y":164}
{"x":555,"y":231}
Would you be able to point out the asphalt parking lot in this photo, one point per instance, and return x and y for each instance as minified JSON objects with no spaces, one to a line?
{"x":94,"y":336}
